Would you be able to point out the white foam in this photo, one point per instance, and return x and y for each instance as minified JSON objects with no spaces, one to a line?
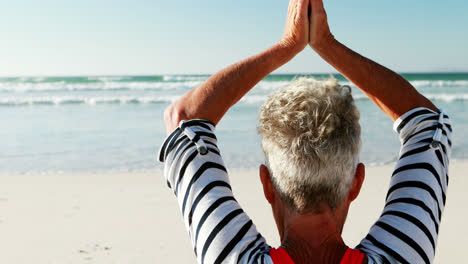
{"x":108,"y":78}
{"x":179,"y":78}
{"x":170,"y":82}
{"x":99,"y":86}
{"x":439,"y":83}
{"x":69,"y":100}
{"x":447,"y":97}
{"x":254,"y":99}
{"x":272,"y":86}
{"x":125,"y":100}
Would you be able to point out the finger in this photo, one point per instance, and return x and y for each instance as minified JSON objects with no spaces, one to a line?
{"x":303,"y":7}
{"x":317,"y":5}
{"x":292,"y":6}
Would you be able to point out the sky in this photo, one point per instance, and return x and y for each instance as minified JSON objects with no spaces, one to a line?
{"x":149,"y":37}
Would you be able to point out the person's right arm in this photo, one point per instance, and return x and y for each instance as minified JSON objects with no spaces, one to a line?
{"x":388,"y":90}
{"x":220,"y":231}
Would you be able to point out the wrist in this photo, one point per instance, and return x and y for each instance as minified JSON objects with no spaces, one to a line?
{"x":324,"y":45}
{"x":286,"y":50}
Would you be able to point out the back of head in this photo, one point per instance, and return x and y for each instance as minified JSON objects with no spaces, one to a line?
{"x":311,"y":139}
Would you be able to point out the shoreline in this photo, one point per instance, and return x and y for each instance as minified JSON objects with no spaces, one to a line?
{"x":134,"y":217}
{"x":160,"y":170}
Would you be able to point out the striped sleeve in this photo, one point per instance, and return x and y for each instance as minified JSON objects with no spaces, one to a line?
{"x":408,"y":228}
{"x":220,"y":231}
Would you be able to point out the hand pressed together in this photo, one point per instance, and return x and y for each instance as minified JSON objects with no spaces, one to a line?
{"x":319,"y":31}
{"x":296,"y":33}
{"x":306,"y":25}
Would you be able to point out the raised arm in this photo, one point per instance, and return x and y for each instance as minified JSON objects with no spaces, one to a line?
{"x":388,"y":90}
{"x":408,"y":228}
{"x":219,"y":229}
{"x":213,"y":98}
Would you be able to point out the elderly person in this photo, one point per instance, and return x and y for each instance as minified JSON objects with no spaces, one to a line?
{"x":311,"y":139}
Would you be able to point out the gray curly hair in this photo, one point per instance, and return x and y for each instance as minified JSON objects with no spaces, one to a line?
{"x":311,"y":139}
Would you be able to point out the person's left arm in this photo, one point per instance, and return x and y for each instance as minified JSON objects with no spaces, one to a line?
{"x":212,"y":99}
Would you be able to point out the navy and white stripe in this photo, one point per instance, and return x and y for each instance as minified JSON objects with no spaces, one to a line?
{"x":408,"y":228}
{"x":219,"y":229}
{"x":221,"y":232}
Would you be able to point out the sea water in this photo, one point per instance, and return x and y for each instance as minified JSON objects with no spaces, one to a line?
{"x":115,"y":124}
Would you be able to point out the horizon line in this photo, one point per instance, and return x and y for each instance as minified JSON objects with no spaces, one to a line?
{"x":209,"y":74}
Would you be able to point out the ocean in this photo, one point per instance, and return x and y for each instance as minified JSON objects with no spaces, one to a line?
{"x":100,"y":124}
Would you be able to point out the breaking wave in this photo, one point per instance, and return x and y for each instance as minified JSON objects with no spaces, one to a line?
{"x":137,"y":100}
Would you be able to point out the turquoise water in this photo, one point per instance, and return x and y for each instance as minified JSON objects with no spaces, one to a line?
{"x":114,"y":124}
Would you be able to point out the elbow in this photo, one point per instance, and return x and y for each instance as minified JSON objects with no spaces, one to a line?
{"x":172,"y":117}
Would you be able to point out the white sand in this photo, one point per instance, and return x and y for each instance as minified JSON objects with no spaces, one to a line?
{"x":134,"y":218}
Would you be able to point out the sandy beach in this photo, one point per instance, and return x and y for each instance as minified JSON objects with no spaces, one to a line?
{"x":134,"y":218}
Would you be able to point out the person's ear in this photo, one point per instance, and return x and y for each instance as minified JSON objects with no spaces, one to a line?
{"x":359,"y":177}
{"x":268,"y":189}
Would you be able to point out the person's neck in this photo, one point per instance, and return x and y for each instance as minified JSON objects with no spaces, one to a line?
{"x":313,"y":238}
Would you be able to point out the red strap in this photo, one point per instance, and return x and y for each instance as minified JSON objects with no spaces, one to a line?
{"x":353,"y":256}
{"x":280,"y":256}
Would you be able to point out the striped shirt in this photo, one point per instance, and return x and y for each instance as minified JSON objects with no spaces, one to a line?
{"x":221,"y":232}
{"x":408,"y":228}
